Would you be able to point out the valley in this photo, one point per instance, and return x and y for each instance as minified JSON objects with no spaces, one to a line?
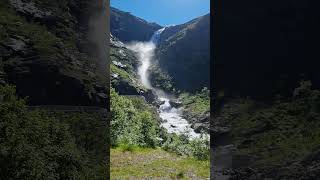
{"x":136,"y":71}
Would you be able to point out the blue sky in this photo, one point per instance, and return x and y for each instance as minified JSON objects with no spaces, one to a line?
{"x":164,"y":12}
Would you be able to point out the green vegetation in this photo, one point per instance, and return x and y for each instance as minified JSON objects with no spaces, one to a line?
{"x":41,"y":145}
{"x":131,"y":123}
{"x":141,"y":149}
{"x":135,"y":123}
{"x":161,"y":79}
{"x":284,"y":131}
{"x":122,"y":73}
{"x":197,"y":103}
{"x":141,"y":163}
{"x":182,"y":145}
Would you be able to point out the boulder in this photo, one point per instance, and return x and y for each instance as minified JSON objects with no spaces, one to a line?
{"x":150,"y":96}
{"x":199,"y":127}
{"x":175,"y":104}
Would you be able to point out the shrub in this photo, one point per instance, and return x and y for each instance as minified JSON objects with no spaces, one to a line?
{"x":131,"y":124}
{"x":183,"y":145}
{"x":32,"y":144}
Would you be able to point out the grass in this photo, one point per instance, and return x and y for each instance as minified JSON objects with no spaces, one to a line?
{"x":196,"y":103}
{"x":146,"y":163}
{"x":122,"y":73}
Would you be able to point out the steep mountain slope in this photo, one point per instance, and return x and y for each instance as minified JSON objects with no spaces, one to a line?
{"x":124,"y":78}
{"x":184,"y":53}
{"x":127,"y":27}
{"x":54,"y":54}
{"x":51,"y":52}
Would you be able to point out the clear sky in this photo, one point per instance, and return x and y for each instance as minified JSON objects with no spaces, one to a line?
{"x":164,"y":12}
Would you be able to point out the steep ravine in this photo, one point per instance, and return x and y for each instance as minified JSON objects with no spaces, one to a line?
{"x":172,"y":117}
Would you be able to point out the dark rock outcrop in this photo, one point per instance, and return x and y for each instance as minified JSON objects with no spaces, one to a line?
{"x":127,"y":27}
{"x":175,"y":104}
{"x":184,"y":53}
{"x":42,"y":56}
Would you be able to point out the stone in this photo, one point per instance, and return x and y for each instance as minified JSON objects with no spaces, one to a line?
{"x":175,"y":104}
{"x":30,"y":10}
{"x":16,"y":45}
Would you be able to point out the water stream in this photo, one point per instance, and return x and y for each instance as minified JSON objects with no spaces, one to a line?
{"x":171,"y":116}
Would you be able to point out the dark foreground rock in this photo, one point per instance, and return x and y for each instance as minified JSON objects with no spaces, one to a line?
{"x":175,"y":104}
{"x":46,"y":51}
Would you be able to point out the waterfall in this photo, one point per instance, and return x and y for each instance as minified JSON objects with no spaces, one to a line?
{"x":145,"y":51}
{"x":172,"y":117}
{"x":156,"y":36}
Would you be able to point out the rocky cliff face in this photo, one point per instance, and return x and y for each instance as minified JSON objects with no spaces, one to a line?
{"x":127,"y":27}
{"x":124,"y":78}
{"x":47,"y":50}
{"x":184,"y":53}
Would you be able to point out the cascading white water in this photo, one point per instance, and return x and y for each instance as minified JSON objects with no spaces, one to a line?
{"x":145,"y":52}
{"x":171,"y":116}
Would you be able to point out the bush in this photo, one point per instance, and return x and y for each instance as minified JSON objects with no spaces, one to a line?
{"x":197,"y":103}
{"x":134,"y":124}
{"x":32,"y":144}
{"x":183,"y":145}
{"x":131,"y":123}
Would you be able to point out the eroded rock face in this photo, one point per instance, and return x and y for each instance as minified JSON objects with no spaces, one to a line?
{"x":184,"y":53}
{"x":45,"y":62}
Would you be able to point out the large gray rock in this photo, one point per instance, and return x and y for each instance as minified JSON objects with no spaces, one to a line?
{"x":175,"y":104}
{"x":30,"y":10}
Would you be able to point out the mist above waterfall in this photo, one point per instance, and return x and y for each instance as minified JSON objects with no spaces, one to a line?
{"x":145,"y":51}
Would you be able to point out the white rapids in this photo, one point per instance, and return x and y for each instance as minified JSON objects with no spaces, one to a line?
{"x":171,"y":116}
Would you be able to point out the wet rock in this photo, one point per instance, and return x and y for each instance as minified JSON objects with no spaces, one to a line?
{"x":158,"y":103}
{"x":175,"y":104}
{"x":173,"y":126}
{"x":150,"y":96}
{"x":200,"y":127}
{"x":115,"y":75}
{"x":119,"y":64}
{"x":125,"y":87}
